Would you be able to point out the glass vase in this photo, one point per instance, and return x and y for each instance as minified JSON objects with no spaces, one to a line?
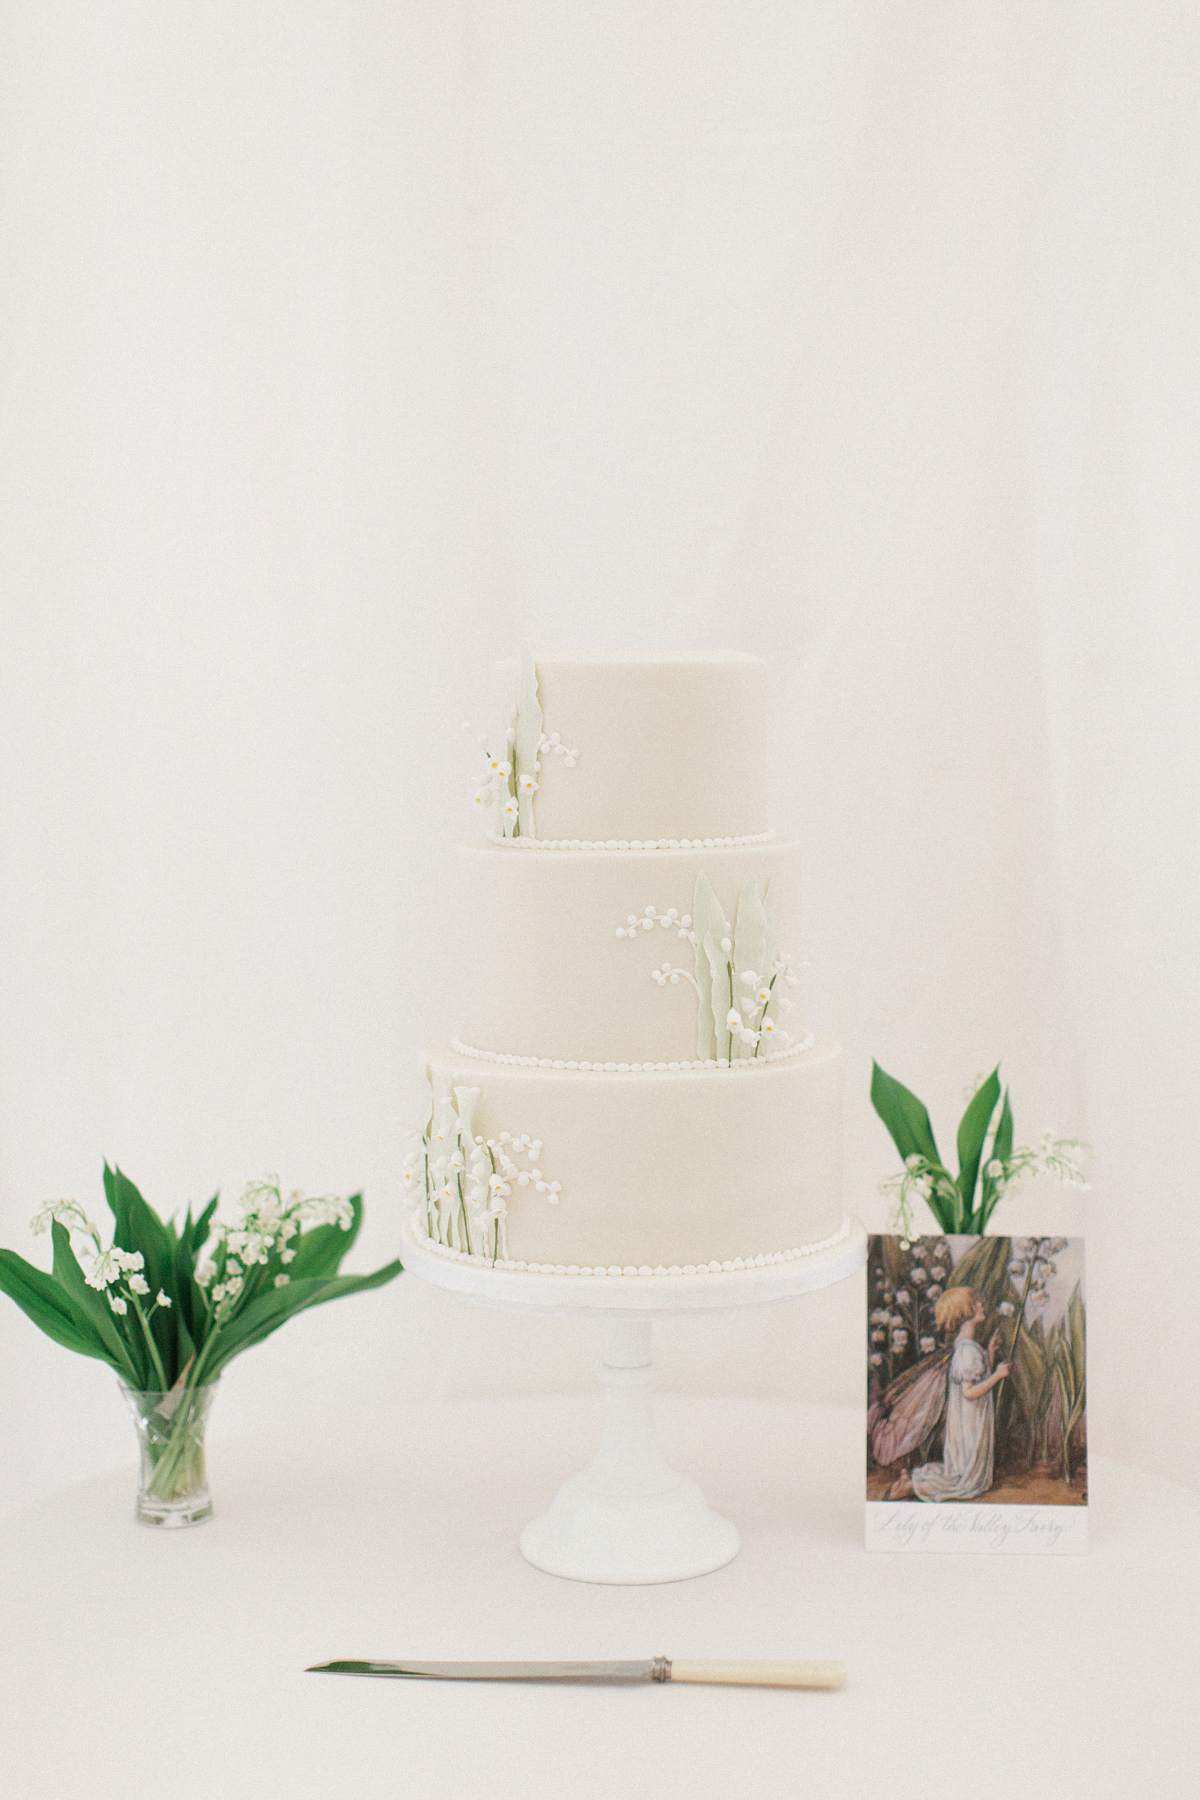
{"x":174,"y":1483}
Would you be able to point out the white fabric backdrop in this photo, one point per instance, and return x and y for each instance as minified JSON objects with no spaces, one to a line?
{"x":344,"y":350}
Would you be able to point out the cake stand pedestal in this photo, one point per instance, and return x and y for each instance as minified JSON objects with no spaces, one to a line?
{"x":630,"y":1518}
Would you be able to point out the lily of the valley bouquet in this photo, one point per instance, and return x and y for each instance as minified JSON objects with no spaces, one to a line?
{"x":169,"y":1304}
{"x":989,"y":1167}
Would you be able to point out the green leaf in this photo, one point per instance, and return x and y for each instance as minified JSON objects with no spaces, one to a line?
{"x":41,"y":1299}
{"x":1001,"y":1150}
{"x":138,"y":1227}
{"x":529,"y":736}
{"x":971,"y":1135}
{"x":768,"y":905}
{"x":749,"y":944}
{"x":904,"y":1115}
{"x":269,"y":1311}
{"x":319,"y":1252}
{"x":707,"y":918}
{"x":985,"y":1268}
{"x":1029,"y":1370}
{"x":198,"y":1229}
{"x":1073,"y":1362}
{"x":191,"y":1314}
{"x":722,"y":993}
{"x":93,"y":1304}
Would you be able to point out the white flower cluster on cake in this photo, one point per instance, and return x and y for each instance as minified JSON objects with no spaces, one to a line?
{"x":510,"y":778}
{"x":739,"y":977}
{"x":461,"y":1183}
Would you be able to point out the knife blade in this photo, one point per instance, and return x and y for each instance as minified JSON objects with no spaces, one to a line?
{"x":658,"y":1668}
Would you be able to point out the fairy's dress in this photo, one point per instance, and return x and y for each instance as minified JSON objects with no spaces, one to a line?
{"x":965,"y":1470}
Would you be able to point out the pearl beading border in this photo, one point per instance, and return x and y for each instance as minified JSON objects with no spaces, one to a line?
{"x":739,"y":1265}
{"x":708,"y":843}
{"x":635,"y":1068}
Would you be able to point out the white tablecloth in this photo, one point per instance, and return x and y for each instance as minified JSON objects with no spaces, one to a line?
{"x":141,"y":1663}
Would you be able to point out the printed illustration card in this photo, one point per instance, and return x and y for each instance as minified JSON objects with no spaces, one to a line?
{"x":976,"y":1395}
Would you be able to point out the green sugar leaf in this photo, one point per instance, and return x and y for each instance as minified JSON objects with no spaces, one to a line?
{"x":529,"y":737}
{"x":770,"y":947}
{"x":707,"y":919}
{"x":722,"y":992}
{"x":749,"y":948}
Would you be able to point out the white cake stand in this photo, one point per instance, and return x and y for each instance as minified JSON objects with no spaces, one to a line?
{"x":630,"y":1518}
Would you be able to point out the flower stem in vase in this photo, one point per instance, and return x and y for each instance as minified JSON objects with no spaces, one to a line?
{"x":173,"y":1490}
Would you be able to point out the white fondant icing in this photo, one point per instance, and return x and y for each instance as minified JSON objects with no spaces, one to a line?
{"x":654,"y":1068}
{"x":669,"y":1165}
{"x":461,"y":1182}
{"x":635,"y":844}
{"x":543,"y":972}
{"x":673,"y":747}
{"x":674,"y":1269}
{"x":755,"y":977}
{"x":656,"y":1159}
{"x":513,"y":763}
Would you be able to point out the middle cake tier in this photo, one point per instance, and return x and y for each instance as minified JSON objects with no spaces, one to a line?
{"x":586,"y":955}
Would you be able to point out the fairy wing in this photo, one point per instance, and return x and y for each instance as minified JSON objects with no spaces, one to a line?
{"x":908,"y":1410}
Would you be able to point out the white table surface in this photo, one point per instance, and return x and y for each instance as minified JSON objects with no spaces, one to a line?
{"x":142,"y":1663}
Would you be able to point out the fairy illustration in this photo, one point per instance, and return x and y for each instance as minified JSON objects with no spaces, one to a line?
{"x":956,"y":1381}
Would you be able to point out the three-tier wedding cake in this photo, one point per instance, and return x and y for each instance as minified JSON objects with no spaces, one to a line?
{"x":631,"y":1090}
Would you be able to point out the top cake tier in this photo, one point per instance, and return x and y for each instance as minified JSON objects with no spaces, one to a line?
{"x":667,"y":748}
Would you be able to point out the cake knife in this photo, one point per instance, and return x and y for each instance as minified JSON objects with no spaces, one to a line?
{"x":659,"y":1668}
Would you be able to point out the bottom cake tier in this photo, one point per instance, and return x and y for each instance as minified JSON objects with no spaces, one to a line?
{"x":646,"y":1172}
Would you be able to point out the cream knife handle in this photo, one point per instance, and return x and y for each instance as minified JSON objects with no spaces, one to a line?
{"x":762,"y":1674}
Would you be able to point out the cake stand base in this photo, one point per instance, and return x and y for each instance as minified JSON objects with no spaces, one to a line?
{"x":630,"y":1518}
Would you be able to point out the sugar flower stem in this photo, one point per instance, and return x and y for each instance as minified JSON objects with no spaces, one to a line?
{"x":428,"y":1202}
{"x":462,"y":1207}
{"x":763,"y":1014}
